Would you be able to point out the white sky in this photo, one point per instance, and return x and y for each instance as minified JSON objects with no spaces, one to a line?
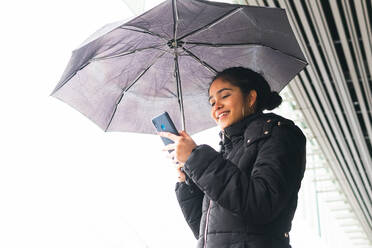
{"x":63,"y":181}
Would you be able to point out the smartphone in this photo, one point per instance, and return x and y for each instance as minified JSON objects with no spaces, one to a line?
{"x":164,"y":123}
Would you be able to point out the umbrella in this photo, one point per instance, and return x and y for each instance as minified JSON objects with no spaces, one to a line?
{"x":163,"y":60}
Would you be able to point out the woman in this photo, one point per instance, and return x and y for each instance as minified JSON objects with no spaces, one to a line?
{"x":246,"y":194}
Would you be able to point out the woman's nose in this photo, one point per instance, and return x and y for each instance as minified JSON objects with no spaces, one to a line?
{"x":217,"y":105}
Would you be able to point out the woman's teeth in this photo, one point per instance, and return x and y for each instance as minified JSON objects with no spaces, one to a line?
{"x":222,"y":114}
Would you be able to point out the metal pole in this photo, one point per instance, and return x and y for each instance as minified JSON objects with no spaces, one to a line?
{"x":179,"y":91}
{"x":176,"y":68}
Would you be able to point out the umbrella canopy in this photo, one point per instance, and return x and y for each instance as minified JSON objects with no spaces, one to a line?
{"x":164,"y":59}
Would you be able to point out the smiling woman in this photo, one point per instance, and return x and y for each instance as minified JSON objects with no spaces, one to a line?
{"x":228,"y":103}
{"x":246,"y":194}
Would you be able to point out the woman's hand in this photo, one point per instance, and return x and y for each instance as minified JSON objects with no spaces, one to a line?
{"x":182,"y":146}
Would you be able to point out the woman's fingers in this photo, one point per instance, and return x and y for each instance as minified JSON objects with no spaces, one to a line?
{"x":183,"y":145}
{"x":184,"y":134}
{"x":169,"y":155}
{"x":169,"y":135}
{"x":172,"y":156}
{"x":169,"y":147}
{"x":179,"y":142}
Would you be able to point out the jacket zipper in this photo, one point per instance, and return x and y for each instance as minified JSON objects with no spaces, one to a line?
{"x":206,"y":224}
{"x":209,"y":209}
{"x":225,"y":135}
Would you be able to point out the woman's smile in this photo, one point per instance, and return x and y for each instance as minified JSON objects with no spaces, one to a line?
{"x":222,"y":115}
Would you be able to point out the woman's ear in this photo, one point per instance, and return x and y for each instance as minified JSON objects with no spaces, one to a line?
{"x":252,"y":97}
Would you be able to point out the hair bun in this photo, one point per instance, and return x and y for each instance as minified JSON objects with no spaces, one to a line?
{"x":273,"y":100}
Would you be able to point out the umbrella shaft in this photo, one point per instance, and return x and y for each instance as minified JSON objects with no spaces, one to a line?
{"x":179,"y":90}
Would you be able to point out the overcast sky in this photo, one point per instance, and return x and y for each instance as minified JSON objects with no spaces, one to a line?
{"x":63,"y":181}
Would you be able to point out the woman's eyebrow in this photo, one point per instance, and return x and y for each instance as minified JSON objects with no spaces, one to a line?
{"x":219,"y":91}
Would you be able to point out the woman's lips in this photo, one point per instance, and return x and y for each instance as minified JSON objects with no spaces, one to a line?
{"x":223,"y":115}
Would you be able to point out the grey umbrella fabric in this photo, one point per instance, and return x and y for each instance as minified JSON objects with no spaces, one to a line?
{"x":163,"y":60}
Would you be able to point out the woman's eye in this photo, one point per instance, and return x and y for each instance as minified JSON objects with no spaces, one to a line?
{"x":225,"y":96}
{"x":212,"y":104}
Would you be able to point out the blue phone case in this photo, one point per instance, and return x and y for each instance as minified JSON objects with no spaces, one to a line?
{"x":164,"y":123}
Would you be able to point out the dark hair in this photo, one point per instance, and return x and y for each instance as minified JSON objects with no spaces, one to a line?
{"x":248,"y":80}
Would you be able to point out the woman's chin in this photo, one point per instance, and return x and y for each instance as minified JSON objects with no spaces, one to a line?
{"x":222,"y":124}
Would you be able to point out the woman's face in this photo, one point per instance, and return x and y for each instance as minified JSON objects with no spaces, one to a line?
{"x":227,"y":103}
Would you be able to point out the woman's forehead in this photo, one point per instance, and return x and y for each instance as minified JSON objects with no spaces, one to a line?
{"x":218,"y":85}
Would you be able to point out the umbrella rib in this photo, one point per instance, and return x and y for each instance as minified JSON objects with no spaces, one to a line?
{"x":214,"y":22}
{"x":69,"y":77}
{"x":98,"y":59}
{"x":242,"y":44}
{"x":126,"y":89}
{"x":205,"y":64}
{"x":126,"y":53}
{"x":142,"y":30}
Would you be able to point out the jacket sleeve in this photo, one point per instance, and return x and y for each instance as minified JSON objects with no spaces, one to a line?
{"x":190,"y":198}
{"x":262,"y":194}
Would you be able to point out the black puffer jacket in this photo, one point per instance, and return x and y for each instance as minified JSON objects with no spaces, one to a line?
{"x":245,"y":195}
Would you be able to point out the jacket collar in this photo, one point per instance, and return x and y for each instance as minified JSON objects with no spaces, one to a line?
{"x":237,"y":129}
